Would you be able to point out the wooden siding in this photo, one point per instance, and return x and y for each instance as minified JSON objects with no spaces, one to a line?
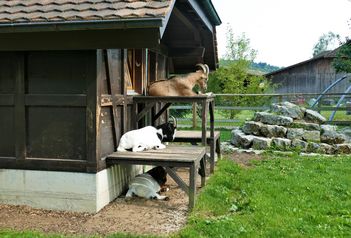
{"x":47,"y":103}
{"x":66,"y":110}
{"x":311,"y":77}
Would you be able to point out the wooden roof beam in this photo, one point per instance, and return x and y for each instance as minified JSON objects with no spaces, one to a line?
{"x":188,"y":24}
{"x":186,"y":52}
{"x":197,"y":8}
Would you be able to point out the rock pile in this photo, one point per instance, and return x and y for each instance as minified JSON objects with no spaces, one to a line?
{"x":287,"y":126}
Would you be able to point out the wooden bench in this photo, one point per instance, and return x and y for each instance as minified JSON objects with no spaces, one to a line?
{"x":172,"y":157}
{"x":196,"y":137}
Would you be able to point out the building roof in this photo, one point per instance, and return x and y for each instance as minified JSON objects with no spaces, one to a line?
{"x":16,"y":13}
{"x":323,"y":55}
{"x":34,"y":11}
{"x":187,"y":25}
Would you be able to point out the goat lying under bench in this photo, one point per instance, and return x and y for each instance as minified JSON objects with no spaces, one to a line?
{"x":148,"y":137}
{"x":148,"y":184}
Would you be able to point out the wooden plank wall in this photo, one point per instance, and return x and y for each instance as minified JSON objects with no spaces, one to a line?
{"x":47,"y":110}
{"x":116,"y":106}
{"x":312,"y":77}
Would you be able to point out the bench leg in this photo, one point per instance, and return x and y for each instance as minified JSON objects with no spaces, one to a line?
{"x":202,"y":170}
{"x":192,"y":186}
{"x":212,"y":155}
{"x":218,"y":148}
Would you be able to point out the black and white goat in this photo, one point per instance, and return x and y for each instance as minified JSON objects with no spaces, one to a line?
{"x":149,"y":184}
{"x":148,"y":137}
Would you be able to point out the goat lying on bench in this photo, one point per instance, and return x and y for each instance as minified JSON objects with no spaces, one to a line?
{"x":148,"y":184}
{"x":148,"y":137}
{"x":182,"y":85}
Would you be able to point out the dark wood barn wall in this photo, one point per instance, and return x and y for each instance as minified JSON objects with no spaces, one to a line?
{"x":312,"y":77}
{"x":47,"y":110}
{"x":115,"y":110}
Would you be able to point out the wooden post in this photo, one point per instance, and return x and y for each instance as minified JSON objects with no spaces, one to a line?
{"x":194,"y":115}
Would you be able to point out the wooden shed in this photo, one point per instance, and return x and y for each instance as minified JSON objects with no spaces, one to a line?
{"x":68,"y":73}
{"x":310,"y":76}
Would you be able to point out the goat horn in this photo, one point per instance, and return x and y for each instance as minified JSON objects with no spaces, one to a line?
{"x":207,"y":68}
{"x":203,"y":67}
{"x":174,"y":121}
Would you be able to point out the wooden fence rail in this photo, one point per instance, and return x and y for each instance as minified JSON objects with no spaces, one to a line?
{"x":299,"y":98}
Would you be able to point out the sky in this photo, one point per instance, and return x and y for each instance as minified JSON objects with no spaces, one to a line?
{"x":282,"y":31}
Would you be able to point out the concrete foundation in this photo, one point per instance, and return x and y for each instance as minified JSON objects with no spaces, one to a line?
{"x":68,"y":191}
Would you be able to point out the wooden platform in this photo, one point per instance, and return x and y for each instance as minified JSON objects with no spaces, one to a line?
{"x":196,"y":137}
{"x":191,"y":157}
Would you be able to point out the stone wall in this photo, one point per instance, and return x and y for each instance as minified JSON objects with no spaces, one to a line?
{"x":287,"y":126}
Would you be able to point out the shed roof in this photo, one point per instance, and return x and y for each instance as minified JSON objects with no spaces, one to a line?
{"x":323,"y":55}
{"x":16,"y":13}
{"x":181,"y":25}
{"x":34,"y":11}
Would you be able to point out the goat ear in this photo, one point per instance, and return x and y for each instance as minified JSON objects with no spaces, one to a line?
{"x":159,"y":131}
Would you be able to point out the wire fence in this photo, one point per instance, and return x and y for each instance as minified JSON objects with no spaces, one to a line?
{"x":234,"y":109}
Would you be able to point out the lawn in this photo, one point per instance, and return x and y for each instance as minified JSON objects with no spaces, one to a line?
{"x":275,"y":197}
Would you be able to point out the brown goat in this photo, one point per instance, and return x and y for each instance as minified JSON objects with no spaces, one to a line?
{"x":181,"y":85}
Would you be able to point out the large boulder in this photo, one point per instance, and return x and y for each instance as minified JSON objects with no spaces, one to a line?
{"x":313,"y":147}
{"x":314,"y":136}
{"x":288,"y":109}
{"x":326,"y":149}
{"x":273,"y":131}
{"x":295,"y":133}
{"x":272,"y":119}
{"x":305,"y":125}
{"x":328,"y":128}
{"x":332,"y":137}
{"x":343,"y":148}
{"x":261,"y":143}
{"x":313,"y":116}
{"x":299,"y":144}
{"x":240,"y":139}
{"x":252,"y":128}
{"x":347,"y":132}
{"x":281,"y":143}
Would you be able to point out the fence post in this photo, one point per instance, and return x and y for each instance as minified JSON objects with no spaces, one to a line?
{"x":194,"y":115}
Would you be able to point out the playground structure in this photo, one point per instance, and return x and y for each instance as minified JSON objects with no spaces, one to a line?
{"x":343,"y":96}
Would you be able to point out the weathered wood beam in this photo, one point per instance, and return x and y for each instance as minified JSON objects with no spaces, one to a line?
{"x":183,"y":52}
{"x":80,"y":40}
{"x":190,"y":25}
{"x":198,"y":9}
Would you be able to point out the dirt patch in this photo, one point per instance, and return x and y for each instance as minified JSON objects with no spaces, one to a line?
{"x":245,"y":159}
{"x":135,"y":216}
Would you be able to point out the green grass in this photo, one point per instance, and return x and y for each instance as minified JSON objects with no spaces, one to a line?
{"x":276,"y":197}
{"x":279,"y":197}
{"x":339,"y":115}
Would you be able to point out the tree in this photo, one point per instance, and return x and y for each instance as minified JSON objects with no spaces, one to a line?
{"x":342,"y":62}
{"x":326,"y":42}
{"x":235,"y":76}
{"x":239,"y":48}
